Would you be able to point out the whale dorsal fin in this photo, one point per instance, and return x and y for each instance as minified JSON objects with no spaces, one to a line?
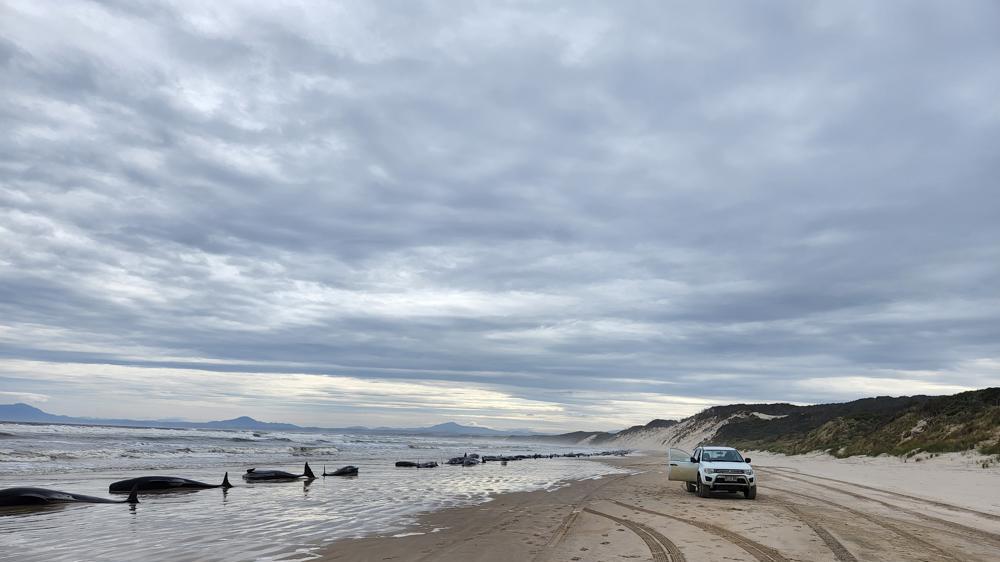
{"x":133,"y":497}
{"x":308,"y":473}
{"x":225,"y":482}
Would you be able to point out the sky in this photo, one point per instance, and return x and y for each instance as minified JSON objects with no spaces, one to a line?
{"x":549,"y":215}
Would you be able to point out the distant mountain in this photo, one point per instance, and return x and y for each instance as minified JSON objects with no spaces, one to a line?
{"x":448,"y":429}
{"x":452,"y":428}
{"x":25,"y":413}
{"x":246,"y":422}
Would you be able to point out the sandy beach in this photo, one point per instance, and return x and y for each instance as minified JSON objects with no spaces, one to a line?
{"x":816,"y":510}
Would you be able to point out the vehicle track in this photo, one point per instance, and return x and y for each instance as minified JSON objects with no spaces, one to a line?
{"x":660,"y":547}
{"x":567,"y":522}
{"x":758,"y":551}
{"x":881,"y":522}
{"x":962,"y":530}
{"x":840,"y":551}
{"x":952,"y":507}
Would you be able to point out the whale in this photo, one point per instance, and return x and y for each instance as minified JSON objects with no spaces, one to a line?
{"x":411,"y":464}
{"x":10,"y":497}
{"x":164,"y":483}
{"x":254,"y":475}
{"x":350,"y":470}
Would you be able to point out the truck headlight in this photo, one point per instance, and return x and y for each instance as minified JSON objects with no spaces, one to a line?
{"x":709,"y":471}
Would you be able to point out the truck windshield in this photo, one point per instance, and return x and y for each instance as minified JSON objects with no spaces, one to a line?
{"x":720,"y":456}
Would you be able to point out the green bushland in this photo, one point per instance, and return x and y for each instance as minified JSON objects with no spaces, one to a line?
{"x":872,"y":426}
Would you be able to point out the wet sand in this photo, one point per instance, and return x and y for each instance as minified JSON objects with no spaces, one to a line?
{"x":797,"y":515}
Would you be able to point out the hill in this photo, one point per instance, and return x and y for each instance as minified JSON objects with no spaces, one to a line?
{"x":604,"y":437}
{"x":870,"y":426}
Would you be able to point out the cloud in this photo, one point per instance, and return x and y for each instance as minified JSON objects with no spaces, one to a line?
{"x":568,"y":204}
{"x":25,"y":396}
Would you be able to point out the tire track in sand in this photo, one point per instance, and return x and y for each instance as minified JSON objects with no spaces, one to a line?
{"x":840,"y":551}
{"x":881,"y":522}
{"x":962,"y":530}
{"x":660,"y":547}
{"x":760,"y":552}
{"x":567,"y":522}
{"x":952,"y":507}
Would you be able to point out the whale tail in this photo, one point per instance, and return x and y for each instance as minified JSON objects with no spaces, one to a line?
{"x":308,"y":473}
{"x":133,"y":496}
{"x":225,"y":482}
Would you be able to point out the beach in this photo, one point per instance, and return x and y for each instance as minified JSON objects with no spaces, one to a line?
{"x":810,"y":508}
{"x":824,"y":510}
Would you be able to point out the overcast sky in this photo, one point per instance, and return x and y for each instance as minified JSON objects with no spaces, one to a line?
{"x":558,"y":215}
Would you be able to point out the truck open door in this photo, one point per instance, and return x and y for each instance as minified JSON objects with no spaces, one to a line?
{"x":680,"y":467}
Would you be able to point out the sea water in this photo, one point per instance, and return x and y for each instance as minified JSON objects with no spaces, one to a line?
{"x":261,"y":521}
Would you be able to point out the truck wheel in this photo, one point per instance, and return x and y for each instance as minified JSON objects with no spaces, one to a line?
{"x":750,"y":493}
{"x":690,"y":487}
{"x":703,"y":490}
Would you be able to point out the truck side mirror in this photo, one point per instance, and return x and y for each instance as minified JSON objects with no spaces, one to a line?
{"x":747,"y":459}
{"x":694,"y":459}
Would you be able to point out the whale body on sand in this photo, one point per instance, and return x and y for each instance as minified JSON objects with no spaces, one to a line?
{"x":343,"y":471}
{"x":165,"y":483}
{"x":411,"y":464}
{"x":40,"y":496}
{"x":254,"y":475}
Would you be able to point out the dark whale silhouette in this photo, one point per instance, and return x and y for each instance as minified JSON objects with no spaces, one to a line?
{"x":343,"y":471}
{"x":41,"y":496}
{"x":411,"y":464}
{"x":164,"y":483}
{"x":254,"y":475}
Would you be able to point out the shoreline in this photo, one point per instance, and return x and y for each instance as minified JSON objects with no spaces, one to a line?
{"x":514,"y":521}
{"x":642,"y":515}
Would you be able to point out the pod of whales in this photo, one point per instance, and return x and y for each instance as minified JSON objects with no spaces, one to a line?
{"x":254,"y":475}
{"x":26,"y":496}
{"x":40,"y":496}
{"x":164,"y":483}
{"x":343,"y":471}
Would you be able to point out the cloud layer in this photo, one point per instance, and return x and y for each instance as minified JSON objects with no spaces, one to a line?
{"x":517,"y":214}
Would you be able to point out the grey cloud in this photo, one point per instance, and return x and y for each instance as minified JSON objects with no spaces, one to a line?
{"x":548,"y":199}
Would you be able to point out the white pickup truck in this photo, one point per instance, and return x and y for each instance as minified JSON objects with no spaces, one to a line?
{"x":712,"y":469}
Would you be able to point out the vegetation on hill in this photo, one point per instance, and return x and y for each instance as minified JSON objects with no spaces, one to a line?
{"x":872,"y":426}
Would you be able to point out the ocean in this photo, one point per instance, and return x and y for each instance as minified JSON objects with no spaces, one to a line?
{"x":262,"y":521}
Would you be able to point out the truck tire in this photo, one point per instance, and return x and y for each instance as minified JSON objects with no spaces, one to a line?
{"x":750,"y":493}
{"x":703,"y":490}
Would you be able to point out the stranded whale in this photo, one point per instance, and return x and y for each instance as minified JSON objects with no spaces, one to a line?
{"x":165,"y":483}
{"x":344,"y":471}
{"x":254,"y":475}
{"x":41,"y":496}
{"x":411,"y":464}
